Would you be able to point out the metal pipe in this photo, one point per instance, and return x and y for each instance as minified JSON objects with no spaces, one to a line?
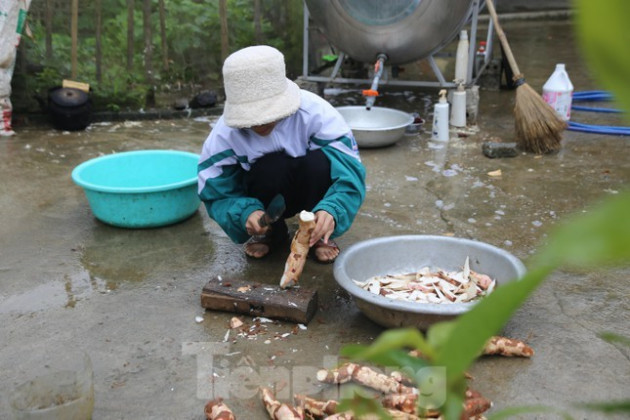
{"x":472,"y":49}
{"x":487,"y":55}
{"x":411,"y":83}
{"x":338,"y":64}
{"x":437,"y":71}
{"x":489,"y":42}
{"x":305,"y":40}
{"x":372,"y":93}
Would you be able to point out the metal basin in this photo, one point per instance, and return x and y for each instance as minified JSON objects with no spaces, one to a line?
{"x":409,"y":253}
{"x":377,"y":127}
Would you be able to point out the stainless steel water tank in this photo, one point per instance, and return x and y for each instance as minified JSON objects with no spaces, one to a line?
{"x":404,"y":30}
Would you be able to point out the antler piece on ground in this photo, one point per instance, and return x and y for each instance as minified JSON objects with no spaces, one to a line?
{"x":217,"y":410}
{"x":278,"y":410}
{"x":317,"y":408}
{"x":475,"y":406}
{"x":341,"y":375}
{"x":367,"y":376}
{"x":510,"y":347}
{"x":363,"y":375}
{"x":299,"y":250}
{"x":407,"y":403}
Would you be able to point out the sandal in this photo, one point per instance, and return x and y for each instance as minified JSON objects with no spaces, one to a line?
{"x":320,"y":249}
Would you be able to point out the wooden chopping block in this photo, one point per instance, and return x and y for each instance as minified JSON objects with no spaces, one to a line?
{"x":255,"y":299}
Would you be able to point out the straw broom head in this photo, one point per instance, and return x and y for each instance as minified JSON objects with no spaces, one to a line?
{"x":538,"y":127}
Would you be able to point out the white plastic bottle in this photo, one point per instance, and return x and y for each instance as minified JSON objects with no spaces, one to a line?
{"x":439,"y":130}
{"x":461,"y":58}
{"x":458,"y":110}
{"x":558,"y":92}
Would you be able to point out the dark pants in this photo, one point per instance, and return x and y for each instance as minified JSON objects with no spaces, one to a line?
{"x":302,"y":181}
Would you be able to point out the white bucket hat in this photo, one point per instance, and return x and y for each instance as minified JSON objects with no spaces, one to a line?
{"x":257,"y":90}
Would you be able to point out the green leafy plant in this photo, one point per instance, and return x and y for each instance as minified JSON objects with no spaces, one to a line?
{"x":599,"y":238}
{"x":601,"y":30}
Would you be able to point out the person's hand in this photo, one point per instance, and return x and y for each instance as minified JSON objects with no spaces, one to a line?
{"x":324,"y":227}
{"x":252,"y":226}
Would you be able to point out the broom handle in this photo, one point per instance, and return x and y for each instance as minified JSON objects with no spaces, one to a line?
{"x":503,"y":39}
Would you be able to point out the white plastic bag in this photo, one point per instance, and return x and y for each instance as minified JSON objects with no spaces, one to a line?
{"x":12,"y":20}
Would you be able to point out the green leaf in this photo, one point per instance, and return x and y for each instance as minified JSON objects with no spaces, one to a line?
{"x":438,"y":334}
{"x":614,"y":338}
{"x":454,"y":405}
{"x":394,"y":358}
{"x":528,"y":409}
{"x":352,"y":350}
{"x":401,"y":359}
{"x":400,"y":338}
{"x":609,"y":407}
{"x":360,"y":404}
{"x":602,"y":33}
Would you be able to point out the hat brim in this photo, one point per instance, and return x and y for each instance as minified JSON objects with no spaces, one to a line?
{"x":264,"y":111}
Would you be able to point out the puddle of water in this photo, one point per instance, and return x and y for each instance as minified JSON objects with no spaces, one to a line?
{"x":54,"y":294}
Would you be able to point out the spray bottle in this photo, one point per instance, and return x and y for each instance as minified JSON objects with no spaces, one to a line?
{"x":558,"y":92}
{"x":440,"y":119}
{"x":458,"y":110}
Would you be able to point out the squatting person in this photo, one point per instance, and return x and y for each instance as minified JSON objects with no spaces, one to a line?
{"x":274,"y":138}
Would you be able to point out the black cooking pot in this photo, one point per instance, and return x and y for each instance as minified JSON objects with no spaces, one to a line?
{"x":69,"y":108}
{"x":205,"y":99}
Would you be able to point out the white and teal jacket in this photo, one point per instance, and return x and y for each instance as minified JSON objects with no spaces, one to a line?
{"x":228,"y":153}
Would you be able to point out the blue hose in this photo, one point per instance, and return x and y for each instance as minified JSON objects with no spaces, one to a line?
{"x":596,"y":96}
{"x":592,"y":95}
{"x":595,"y":109}
{"x":599,"y":129}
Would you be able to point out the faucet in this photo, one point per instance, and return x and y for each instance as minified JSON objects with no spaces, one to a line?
{"x":372,"y":92}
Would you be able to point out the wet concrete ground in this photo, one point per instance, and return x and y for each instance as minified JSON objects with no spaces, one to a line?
{"x":129,"y":298}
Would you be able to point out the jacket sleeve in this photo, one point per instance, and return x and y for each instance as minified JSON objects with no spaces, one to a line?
{"x":347,"y":192}
{"x":222,"y":191}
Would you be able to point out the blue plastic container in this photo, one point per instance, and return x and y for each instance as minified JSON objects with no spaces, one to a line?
{"x":140,"y":189}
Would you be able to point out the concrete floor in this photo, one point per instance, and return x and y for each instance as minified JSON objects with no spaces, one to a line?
{"x":129,"y":298}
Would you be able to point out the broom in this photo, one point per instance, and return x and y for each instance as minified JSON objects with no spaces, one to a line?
{"x":538,"y":126}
